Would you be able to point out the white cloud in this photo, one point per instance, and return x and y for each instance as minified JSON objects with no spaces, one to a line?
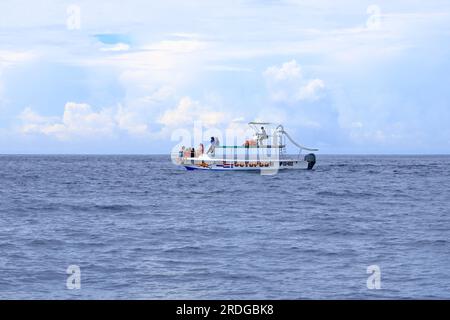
{"x":151,"y":74}
{"x":162,"y":55}
{"x":30,"y":117}
{"x":188,"y":111}
{"x":287,"y":84}
{"x":311,"y":90}
{"x":222,"y":68}
{"x":116,"y":47}
{"x":130,"y":121}
{"x":239,"y":119}
{"x":9,"y":58}
{"x":185,"y":35}
{"x":79,"y":120}
{"x":1,"y":92}
{"x":158,"y":95}
{"x":288,"y":71}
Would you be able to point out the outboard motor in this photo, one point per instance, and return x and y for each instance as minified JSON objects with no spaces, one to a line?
{"x":311,"y":159}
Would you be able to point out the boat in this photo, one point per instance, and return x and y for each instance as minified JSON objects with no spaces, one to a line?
{"x":266,"y":152}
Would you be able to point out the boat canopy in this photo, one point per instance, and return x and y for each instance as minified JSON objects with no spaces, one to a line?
{"x":261,"y":123}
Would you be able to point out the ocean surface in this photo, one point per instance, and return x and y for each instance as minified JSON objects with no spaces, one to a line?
{"x":139,"y":227}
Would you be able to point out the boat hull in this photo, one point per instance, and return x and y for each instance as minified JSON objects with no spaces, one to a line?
{"x":283,"y":165}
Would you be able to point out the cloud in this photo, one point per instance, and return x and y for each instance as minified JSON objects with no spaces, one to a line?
{"x":287,"y":71}
{"x":158,"y":95}
{"x":10,"y":58}
{"x":1,"y":92}
{"x":152,"y":74}
{"x":226,"y":68}
{"x":311,"y":90}
{"x":287,"y":84}
{"x":132,"y":58}
{"x":116,"y":47}
{"x":188,"y":111}
{"x":79,"y":120}
{"x":130,"y":121}
{"x":165,"y":55}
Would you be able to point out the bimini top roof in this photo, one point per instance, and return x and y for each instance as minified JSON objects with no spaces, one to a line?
{"x":263,"y":123}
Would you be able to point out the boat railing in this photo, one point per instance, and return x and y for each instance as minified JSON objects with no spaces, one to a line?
{"x":252,"y":147}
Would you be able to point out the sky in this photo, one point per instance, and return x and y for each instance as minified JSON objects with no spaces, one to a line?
{"x":115,"y":77}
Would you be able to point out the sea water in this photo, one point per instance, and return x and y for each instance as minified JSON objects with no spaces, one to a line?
{"x":138,"y":227}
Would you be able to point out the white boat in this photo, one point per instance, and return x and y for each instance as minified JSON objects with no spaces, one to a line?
{"x":265,"y":152}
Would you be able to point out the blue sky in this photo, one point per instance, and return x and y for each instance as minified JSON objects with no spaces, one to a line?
{"x":115,"y":77}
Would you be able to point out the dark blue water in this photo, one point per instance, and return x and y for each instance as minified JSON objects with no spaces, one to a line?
{"x":141,"y":228}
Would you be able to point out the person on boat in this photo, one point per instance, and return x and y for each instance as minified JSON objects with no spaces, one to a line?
{"x":181,"y":152}
{"x":192,"y":154}
{"x":212,"y":147}
{"x":262,"y":136}
{"x":201,"y":149}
